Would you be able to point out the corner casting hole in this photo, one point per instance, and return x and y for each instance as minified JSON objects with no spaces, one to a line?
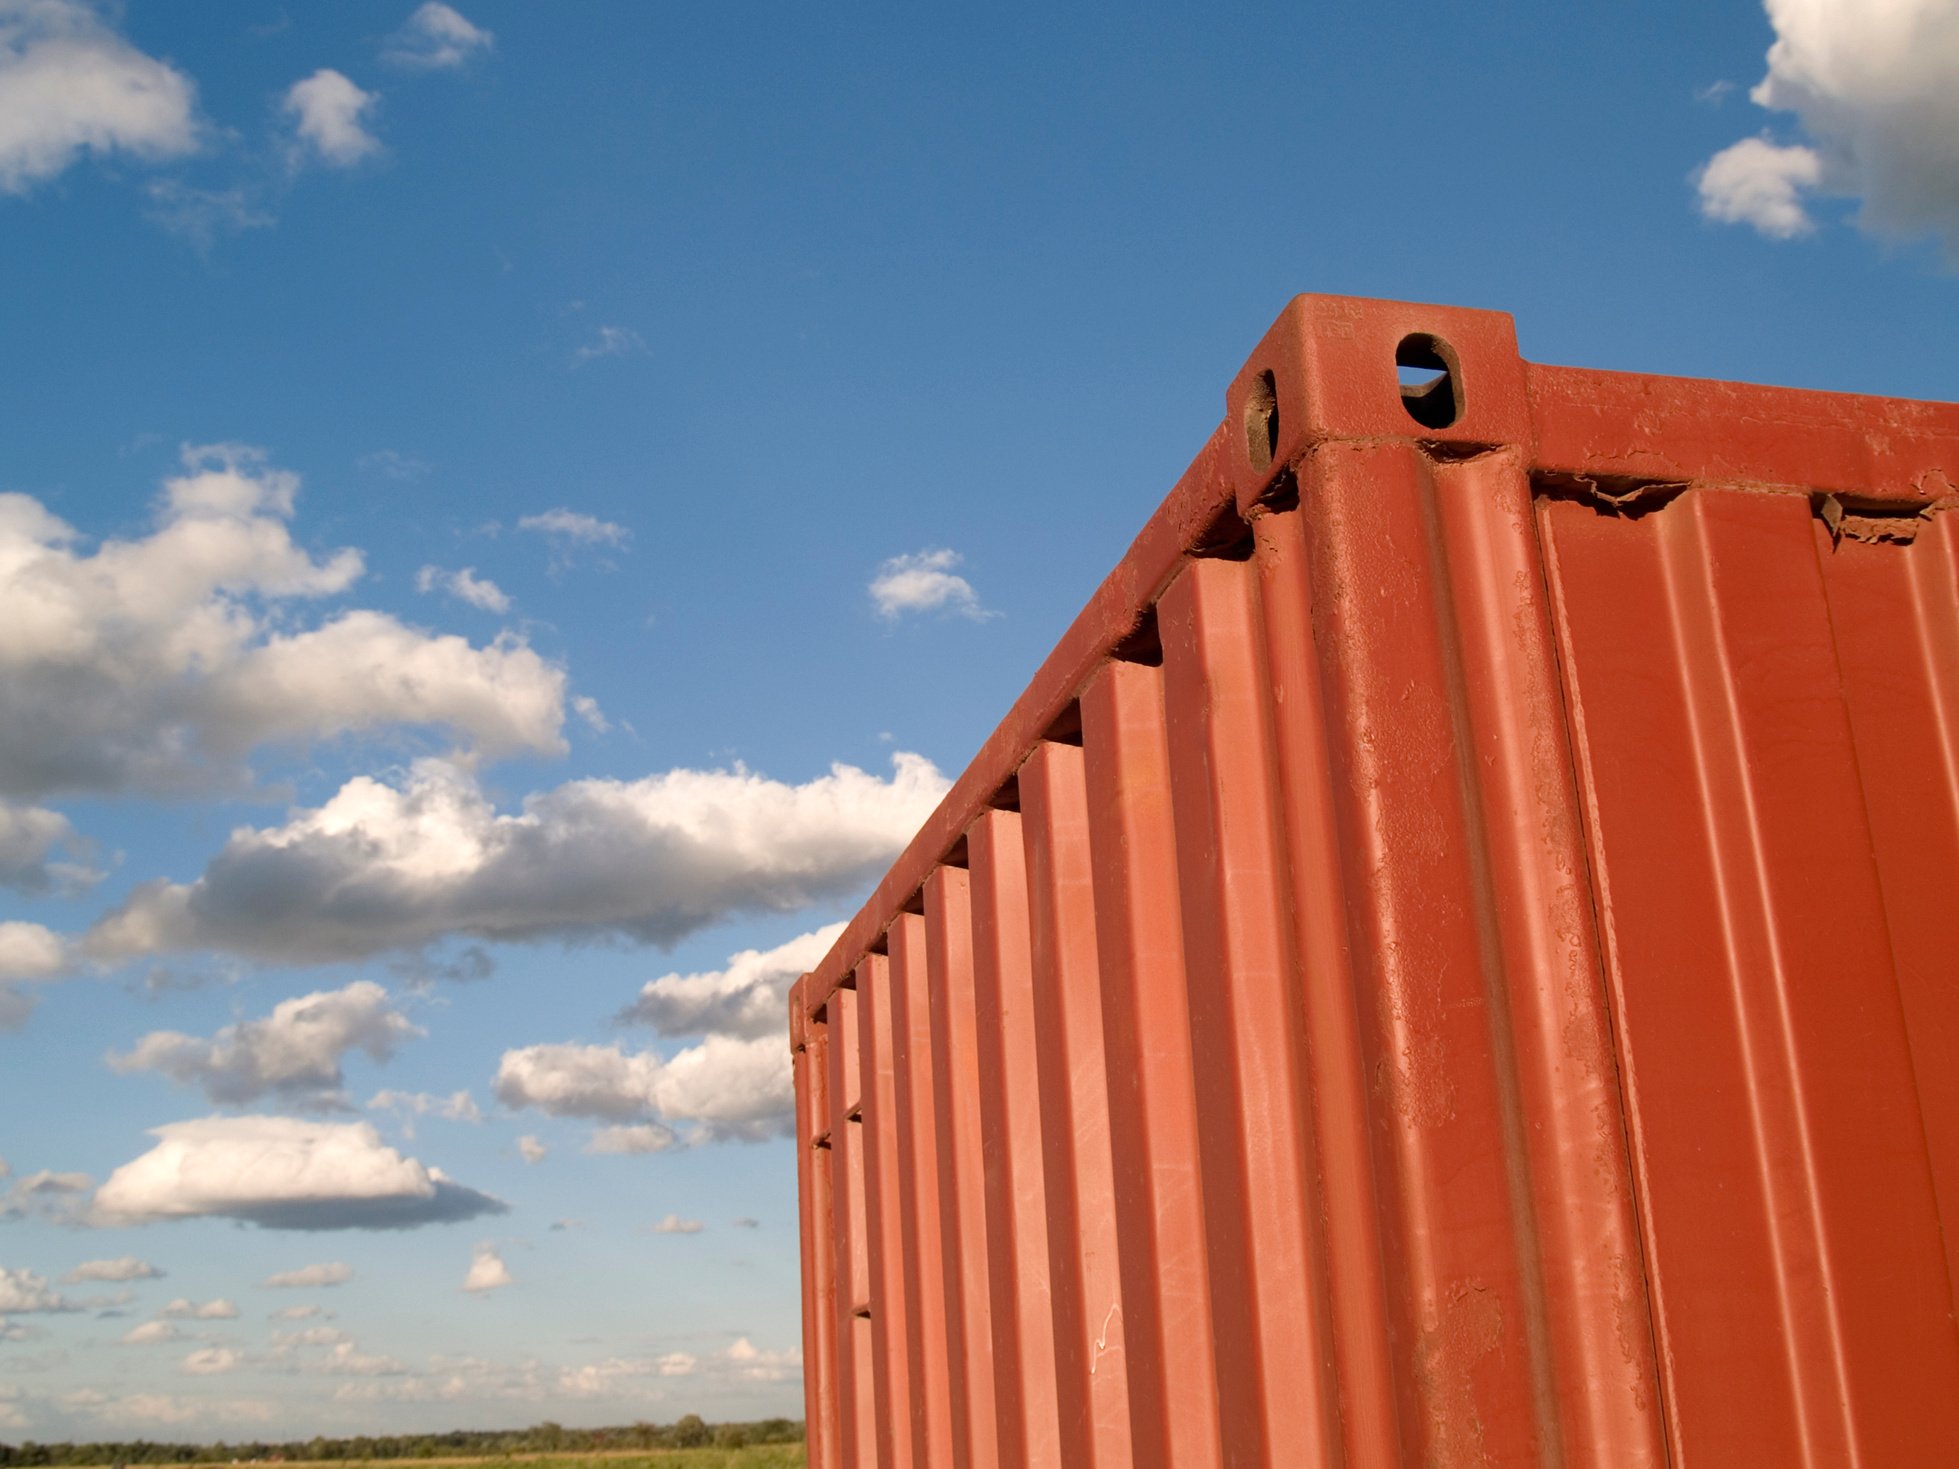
{"x":1430,"y":390}
{"x":1262,"y":421}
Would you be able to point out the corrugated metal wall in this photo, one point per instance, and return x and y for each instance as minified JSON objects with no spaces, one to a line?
{"x":1454,"y":961}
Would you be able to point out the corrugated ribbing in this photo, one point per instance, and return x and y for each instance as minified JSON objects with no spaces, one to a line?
{"x":1168,"y":1321}
{"x":964,"y":1262}
{"x":1894,"y":611}
{"x":1724,"y":674}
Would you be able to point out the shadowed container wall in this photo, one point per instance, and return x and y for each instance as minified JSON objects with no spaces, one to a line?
{"x":1452,"y":961}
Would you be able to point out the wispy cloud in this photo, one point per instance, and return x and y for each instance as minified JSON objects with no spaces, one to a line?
{"x":187,"y":1310}
{"x":123,"y":1268}
{"x":568,"y":530}
{"x":393,"y":464}
{"x":203,"y":216}
{"x":465,"y":586}
{"x":609,"y":341}
{"x":310,"y":1277}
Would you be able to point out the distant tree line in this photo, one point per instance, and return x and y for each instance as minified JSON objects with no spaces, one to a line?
{"x":689,"y":1432}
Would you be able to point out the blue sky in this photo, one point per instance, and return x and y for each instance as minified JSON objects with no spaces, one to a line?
{"x":510,"y":514}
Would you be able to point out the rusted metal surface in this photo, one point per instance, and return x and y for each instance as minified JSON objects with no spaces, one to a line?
{"x":1454,"y":960}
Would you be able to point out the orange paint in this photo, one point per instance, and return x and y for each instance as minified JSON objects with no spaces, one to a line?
{"x":1453,"y":960}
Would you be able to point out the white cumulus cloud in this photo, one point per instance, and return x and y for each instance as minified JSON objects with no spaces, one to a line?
{"x":31,"y":951}
{"x":749,"y":998}
{"x":293,"y":1054}
{"x":1874,"y":87}
{"x":1761,"y":183}
{"x":23,"y":1293}
{"x":724,"y":1088}
{"x":40,"y":852}
{"x":283,"y":1173}
{"x":208,"y":1361}
{"x":436,"y":38}
{"x":735,"y":1083}
{"x":383,"y":866}
{"x":924,"y":581}
{"x":531,"y":1150}
{"x":159,"y":664}
{"x":674,"y":1224}
{"x":70,"y":84}
{"x":329,"y":115}
{"x":28,"y":952}
{"x":487,"y":1271}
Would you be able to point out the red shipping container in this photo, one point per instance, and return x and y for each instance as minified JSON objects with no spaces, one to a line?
{"x":1454,"y":959}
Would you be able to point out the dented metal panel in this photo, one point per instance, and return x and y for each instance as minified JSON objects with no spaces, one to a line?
{"x":1453,"y":960}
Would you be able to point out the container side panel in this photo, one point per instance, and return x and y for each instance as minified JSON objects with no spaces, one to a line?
{"x":1476,"y":1380}
{"x":1010,"y":1129}
{"x":855,"y":1409}
{"x":1452,"y":961}
{"x":1247,"y":1028}
{"x":1090,"y":1329}
{"x":1895,"y":611}
{"x":1551,"y":1025}
{"x":1153,"y":1141}
{"x":962,"y":1169}
{"x":1792,"y":1236}
{"x":1356,"y":1283}
{"x":918,"y":1182}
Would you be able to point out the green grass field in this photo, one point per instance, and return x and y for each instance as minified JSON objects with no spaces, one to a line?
{"x":762,"y":1456}
{"x":765,"y":1456}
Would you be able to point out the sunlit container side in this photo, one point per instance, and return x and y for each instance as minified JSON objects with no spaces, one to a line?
{"x":1453,"y":960}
